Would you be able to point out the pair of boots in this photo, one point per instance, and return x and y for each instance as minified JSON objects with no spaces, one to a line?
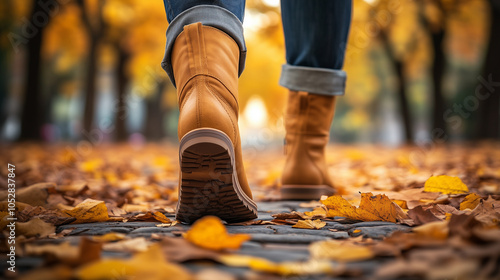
{"x":212,"y":177}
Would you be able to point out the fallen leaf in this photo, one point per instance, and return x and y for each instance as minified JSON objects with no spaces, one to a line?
{"x":437,"y":230}
{"x":445,"y":184}
{"x":181,"y":250}
{"x":318,"y":212}
{"x":339,"y":251}
{"x":292,"y":215}
{"x":421,"y":216}
{"x":470,"y":202}
{"x":61,"y":251}
{"x":110,"y":237}
{"x":487,"y":212}
{"x":209,"y":232}
{"x":34,"y":195}
{"x":309,"y":224}
{"x":139,"y":244}
{"x":310,"y":267}
{"x":371,"y":208}
{"x":35,"y":227}
{"x":150,"y":264}
{"x":89,"y":211}
{"x":151,"y":216}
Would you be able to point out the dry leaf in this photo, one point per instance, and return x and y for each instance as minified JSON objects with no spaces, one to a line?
{"x":150,"y":264}
{"x":437,"y":230}
{"x":89,"y":211}
{"x":445,"y":184}
{"x":61,"y":251}
{"x":35,"y":227}
{"x":318,"y":212}
{"x":371,"y":208}
{"x":209,"y":232}
{"x":34,"y":195}
{"x":310,"y":267}
{"x":470,"y":202}
{"x":310,"y":224}
{"x":339,"y":251}
{"x":151,"y":216}
{"x":110,"y":237}
{"x":181,"y":250}
{"x":139,"y":244}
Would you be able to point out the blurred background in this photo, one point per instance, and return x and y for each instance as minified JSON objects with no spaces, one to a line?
{"x":89,"y":70}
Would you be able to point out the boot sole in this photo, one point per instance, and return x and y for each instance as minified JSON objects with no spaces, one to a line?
{"x":305,"y":192}
{"x":209,"y":181}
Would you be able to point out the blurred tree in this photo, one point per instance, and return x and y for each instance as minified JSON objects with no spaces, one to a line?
{"x":489,"y":109}
{"x":92,"y":18}
{"x":6,"y":26}
{"x":387,"y":14}
{"x":32,"y":112}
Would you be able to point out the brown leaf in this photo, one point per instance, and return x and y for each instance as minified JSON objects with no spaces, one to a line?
{"x":150,"y":216}
{"x":34,"y":195}
{"x":35,"y":227}
{"x":181,"y":250}
{"x":421,"y":216}
{"x":309,"y":224}
{"x":339,"y":251}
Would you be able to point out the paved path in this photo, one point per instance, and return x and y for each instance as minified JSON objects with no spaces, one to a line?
{"x":274,"y":242}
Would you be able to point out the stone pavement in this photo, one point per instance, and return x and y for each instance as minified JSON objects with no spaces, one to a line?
{"x":276,"y":243}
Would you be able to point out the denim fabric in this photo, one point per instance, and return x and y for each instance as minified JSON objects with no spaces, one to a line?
{"x":315,"y":39}
{"x":210,"y":15}
{"x":175,"y":7}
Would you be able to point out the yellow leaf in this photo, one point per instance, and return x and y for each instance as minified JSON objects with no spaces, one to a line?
{"x":309,"y":224}
{"x":89,"y":211}
{"x":436,"y":230}
{"x":91,"y":165}
{"x":35,"y":227}
{"x":209,"y":232}
{"x":309,"y":267}
{"x":339,"y":251}
{"x":470,"y":201}
{"x":150,"y":264}
{"x":445,"y":184}
{"x":371,"y":208}
{"x":109,"y":237}
{"x":318,"y":211}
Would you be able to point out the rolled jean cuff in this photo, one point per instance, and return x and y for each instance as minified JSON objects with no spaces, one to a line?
{"x":208,"y":15}
{"x":313,"y":80}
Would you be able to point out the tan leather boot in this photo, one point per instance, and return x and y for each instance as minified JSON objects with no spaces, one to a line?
{"x":212,"y":178}
{"x":307,"y":123}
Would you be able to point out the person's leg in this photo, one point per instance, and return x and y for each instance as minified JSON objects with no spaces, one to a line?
{"x":204,"y":57}
{"x":315,"y":38}
{"x":225,"y":15}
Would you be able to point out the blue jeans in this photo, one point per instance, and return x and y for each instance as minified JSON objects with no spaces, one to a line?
{"x":315,"y":37}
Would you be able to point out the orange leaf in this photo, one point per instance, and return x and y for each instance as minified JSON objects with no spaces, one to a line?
{"x":209,"y":232}
{"x":371,"y":208}
{"x":309,"y":224}
{"x":470,"y":201}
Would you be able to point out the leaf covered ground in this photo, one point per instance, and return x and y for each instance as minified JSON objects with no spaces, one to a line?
{"x":107,"y":212}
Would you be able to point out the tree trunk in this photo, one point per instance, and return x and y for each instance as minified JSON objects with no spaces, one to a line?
{"x":401,"y":90}
{"x":31,"y":117}
{"x":90,"y":84}
{"x":438,"y":68}
{"x":153,"y":130}
{"x":403,"y":101}
{"x":488,"y":126}
{"x":121,"y":109}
